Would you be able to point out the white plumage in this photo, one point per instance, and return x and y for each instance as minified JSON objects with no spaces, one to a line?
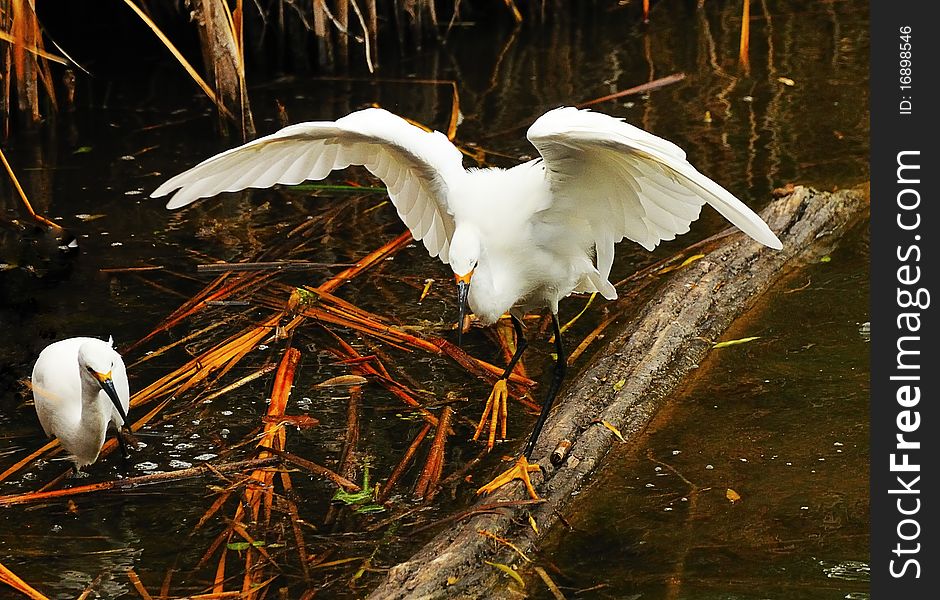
{"x":528,"y":236}
{"x":532,"y":234}
{"x":80,"y":387}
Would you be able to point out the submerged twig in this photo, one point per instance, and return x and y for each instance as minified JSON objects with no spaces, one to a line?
{"x":135,"y":581}
{"x":347,"y":457}
{"x":403,"y":463}
{"x":137,"y":482}
{"x":427,"y":484}
{"x":649,"y":86}
{"x":280,"y":265}
{"x":56,"y":229}
{"x":316,"y":469}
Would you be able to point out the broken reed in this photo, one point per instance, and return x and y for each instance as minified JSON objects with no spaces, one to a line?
{"x":333,"y":34}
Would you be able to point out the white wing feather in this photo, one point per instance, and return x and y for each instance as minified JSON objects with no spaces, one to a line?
{"x":628,"y":182}
{"x":417,"y":167}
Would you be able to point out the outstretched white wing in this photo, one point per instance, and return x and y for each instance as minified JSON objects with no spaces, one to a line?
{"x":629,"y":183}
{"x":416,"y":166}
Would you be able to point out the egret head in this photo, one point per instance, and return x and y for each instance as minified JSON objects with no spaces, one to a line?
{"x":463,"y":257}
{"x":95,"y":362}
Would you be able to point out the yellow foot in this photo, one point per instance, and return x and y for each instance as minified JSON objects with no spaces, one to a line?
{"x":496,"y":411}
{"x":520,"y":471}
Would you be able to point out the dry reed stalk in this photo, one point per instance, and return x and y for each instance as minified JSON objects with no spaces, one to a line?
{"x":183,"y":340}
{"x":179,"y":57}
{"x":137,"y":482}
{"x":223,"y":536}
{"x":258,"y":493}
{"x":199,"y":368}
{"x":366,"y":370}
{"x":278,"y":265}
{"x":369,"y":324}
{"x":56,"y":229}
{"x":274,"y":436}
{"x":426,"y":487}
{"x":11,"y":579}
{"x":217,"y":504}
{"x":135,"y":581}
{"x":214,"y":291}
{"x":24,"y":70}
{"x":15,"y":468}
{"x":320,"y":31}
{"x":594,"y":334}
{"x":483,"y":369}
{"x":91,"y":587}
{"x":550,"y":584}
{"x":382,"y":358}
{"x":347,"y":456}
{"x":160,"y":288}
{"x":347,"y":460}
{"x":744,"y":46}
{"x":460,"y":473}
{"x":239,"y":529}
{"x":399,"y":469}
{"x":6,"y":37}
{"x":353,"y":317}
{"x":390,"y":248}
{"x":24,"y":37}
{"x":165,"y":588}
{"x":516,"y":15}
{"x":143,"y":269}
{"x":6,"y":75}
{"x":218,"y":583}
{"x":316,"y":469}
{"x":295,"y":523}
{"x":470,"y":512}
{"x":242,"y":351}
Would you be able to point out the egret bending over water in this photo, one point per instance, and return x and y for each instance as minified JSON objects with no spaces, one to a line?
{"x":517,"y":239}
{"x":79,"y":388}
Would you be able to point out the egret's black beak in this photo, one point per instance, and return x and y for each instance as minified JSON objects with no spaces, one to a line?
{"x":463,"y":290}
{"x":107,"y":384}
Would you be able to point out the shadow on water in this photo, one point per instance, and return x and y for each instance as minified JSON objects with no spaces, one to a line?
{"x":782,"y":420}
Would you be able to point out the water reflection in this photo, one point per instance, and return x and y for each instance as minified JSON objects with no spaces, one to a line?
{"x":783,"y":423}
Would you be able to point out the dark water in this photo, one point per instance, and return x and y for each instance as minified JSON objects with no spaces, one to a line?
{"x":782,"y":421}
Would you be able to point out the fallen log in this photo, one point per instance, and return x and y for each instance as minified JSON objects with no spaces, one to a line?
{"x":647,"y":357}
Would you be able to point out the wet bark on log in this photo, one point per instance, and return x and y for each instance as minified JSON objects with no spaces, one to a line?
{"x":651,"y":353}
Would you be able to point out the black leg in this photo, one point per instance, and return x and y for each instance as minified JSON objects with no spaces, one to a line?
{"x":521,"y":345}
{"x":561,"y":365}
{"x":125,"y":453}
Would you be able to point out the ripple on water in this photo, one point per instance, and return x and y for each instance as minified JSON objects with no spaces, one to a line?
{"x":847,"y":570}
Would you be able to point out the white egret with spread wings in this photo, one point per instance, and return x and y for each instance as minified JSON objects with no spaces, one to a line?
{"x":518,"y":239}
